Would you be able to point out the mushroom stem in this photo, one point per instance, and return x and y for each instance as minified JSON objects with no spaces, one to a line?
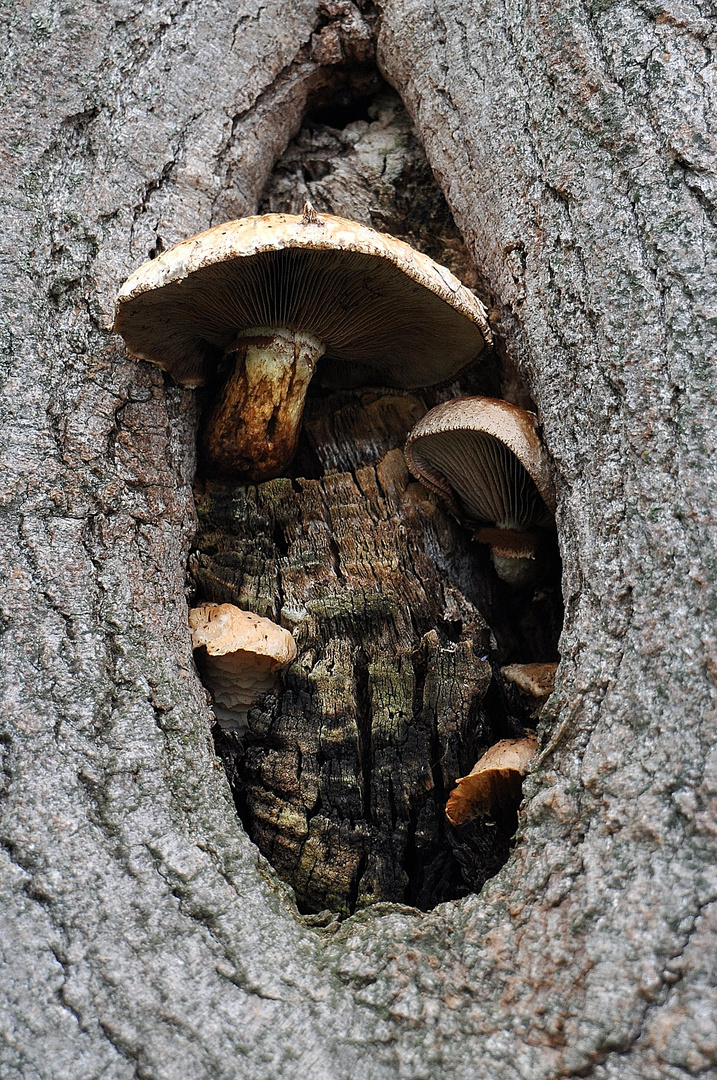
{"x":254,"y":427}
{"x":513,"y":552}
{"x":514,"y":570}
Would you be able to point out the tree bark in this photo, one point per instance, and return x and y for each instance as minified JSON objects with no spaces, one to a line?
{"x":145,"y":936}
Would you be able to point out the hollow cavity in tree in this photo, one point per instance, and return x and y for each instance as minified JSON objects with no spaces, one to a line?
{"x":342,"y":776}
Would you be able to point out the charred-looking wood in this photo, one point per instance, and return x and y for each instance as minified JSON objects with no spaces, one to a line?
{"x":342,"y":777}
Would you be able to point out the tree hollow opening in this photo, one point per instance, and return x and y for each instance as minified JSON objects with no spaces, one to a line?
{"x":401,"y":623}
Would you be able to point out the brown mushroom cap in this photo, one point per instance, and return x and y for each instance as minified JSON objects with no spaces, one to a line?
{"x":493,"y":782}
{"x":385,"y":312}
{"x":535,"y":680}
{"x":243,"y":654}
{"x":484,"y":457}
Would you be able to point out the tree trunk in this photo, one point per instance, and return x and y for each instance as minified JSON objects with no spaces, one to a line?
{"x":144,"y":934}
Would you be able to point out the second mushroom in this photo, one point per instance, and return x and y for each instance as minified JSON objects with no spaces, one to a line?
{"x":484,"y":458}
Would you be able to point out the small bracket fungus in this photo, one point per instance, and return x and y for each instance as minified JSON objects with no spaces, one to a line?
{"x":484,"y":458}
{"x":274,"y":294}
{"x":240,"y":655}
{"x":535,"y":680}
{"x":494,"y":782}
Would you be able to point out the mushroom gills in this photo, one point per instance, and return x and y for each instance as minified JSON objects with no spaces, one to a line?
{"x":370,"y":315}
{"x":297,"y":306}
{"x":490,"y":483}
{"x":237,"y":681}
{"x":494,"y":782}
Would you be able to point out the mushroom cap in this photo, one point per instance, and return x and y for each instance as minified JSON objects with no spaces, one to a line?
{"x":243,"y":656}
{"x":224,"y":629}
{"x":536,"y":680}
{"x":484,"y":457}
{"x":386,"y":312}
{"x":493,"y":781}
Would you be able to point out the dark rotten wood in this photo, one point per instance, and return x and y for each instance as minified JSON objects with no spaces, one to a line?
{"x":343,"y":776}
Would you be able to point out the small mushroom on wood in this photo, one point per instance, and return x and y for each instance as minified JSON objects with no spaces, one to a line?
{"x":494,"y":782}
{"x":239,"y":655}
{"x":270,"y":296}
{"x":535,"y":680}
{"x":484,"y":458}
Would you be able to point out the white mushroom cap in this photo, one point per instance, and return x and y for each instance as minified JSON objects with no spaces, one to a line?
{"x":243,"y":654}
{"x":484,"y":457}
{"x":494,"y":781}
{"x":385,"y":312}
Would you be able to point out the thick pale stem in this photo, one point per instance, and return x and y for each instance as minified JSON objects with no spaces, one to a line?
{"x":254,"y":428}
{"x":513,"y":552}
{"x":514,"y":570}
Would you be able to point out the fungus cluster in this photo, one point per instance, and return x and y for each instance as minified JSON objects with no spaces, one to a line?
{"x":258,"y":306}
{"x":484,"y":458}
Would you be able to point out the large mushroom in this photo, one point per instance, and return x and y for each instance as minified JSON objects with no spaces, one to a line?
{"x":275,"y":293}
{"x":484,"y":458}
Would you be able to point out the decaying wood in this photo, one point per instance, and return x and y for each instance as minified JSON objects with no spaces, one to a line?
{"x":343,"y":776}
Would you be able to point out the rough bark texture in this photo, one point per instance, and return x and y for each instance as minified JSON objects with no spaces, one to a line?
{"x":143,"y":934}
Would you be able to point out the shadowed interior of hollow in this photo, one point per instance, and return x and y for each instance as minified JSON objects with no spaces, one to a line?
{"x":342,"y":776}
{"x":486,"y":477}
{"x":378,"y":325}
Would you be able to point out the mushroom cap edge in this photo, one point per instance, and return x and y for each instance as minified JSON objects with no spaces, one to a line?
{"x":246,"y":237}
{"x":224,"y":628}
{"x":514,"y":427}
{"x":273,"y":232}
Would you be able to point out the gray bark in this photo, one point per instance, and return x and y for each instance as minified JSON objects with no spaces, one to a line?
{"x":144,"y":936}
